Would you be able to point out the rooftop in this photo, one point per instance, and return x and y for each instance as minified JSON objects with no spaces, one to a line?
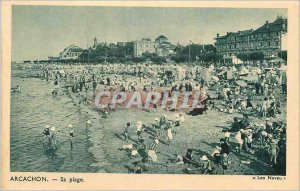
{"x":278,"y":25}
{"x":160,"y":37}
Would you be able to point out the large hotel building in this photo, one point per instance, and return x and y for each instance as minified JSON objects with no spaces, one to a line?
{"x":269,"y":39}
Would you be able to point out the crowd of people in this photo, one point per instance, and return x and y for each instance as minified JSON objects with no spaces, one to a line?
{"x":258,"y":93}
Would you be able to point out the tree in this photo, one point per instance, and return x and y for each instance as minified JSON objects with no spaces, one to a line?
{"x":255,"y":56}
{"x":209,"y":48}
{"x":196,"y":51}
{"x":243,"y":56}
{"x":112,"y":60}
{"x":193,"y":51}
{"x":158,"y":59}
{"x":178,"y":58}
{"x":138,"y":59}
{"x":211,"y":57}
{"x":283,"y":55}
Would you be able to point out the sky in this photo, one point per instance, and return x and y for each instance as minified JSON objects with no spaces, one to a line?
{"x":42,"y":31}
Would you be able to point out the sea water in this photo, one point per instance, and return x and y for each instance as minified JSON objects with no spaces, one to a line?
{"x":31,"y":110}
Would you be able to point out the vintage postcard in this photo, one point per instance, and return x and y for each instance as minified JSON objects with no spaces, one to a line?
{"x":197,"y":95}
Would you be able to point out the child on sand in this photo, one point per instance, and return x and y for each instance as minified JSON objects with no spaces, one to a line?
{"x":169,"y":134}
{"x":157,"y":127}
{"x":224,"y":162}
{"x":139,"y":126}
{"x":188,"y":158}
{"x":126,"y":135}
{"x":178,"y":160}
{"x":152,"y":151}
{"x":227,"y":136}
{"x":205,"y":165}
{"x":216,"y":154}
{"x":88,"y":124}
{"x":224,"y":146}
{"x":273,"y":151}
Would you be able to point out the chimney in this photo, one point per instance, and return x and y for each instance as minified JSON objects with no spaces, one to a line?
{"x":218,"y":35}
{"x":227,"y":33}
{"x":267,"y":22}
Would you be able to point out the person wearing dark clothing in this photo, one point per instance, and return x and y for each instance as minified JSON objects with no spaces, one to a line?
{"x":54,"y":93}
{"x":126,"y":135}
{"x":94,"y":84}
{"x":108,"y":81}
{"x":284,"y":88}
{"x":174,"y":88}
{"x":188,"y":157}
{"x":186,"y":87}
{"x":249,"y":104}
{"x":180,"y":87}
{"x":224,"y":147}
{"x":235,"y":127}
{"x":190,"y":88}
{"x":257,"y":88}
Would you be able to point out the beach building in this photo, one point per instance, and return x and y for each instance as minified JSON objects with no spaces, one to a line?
{"x":146,"y":45}
{"x":269,"y":39}
{"x":163,"y":46}
{"x":72,"y":52}
{"x":113,"y":47}
{"x":161,"y":39}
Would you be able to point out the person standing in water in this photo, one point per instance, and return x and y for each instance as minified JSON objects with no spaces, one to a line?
{"x":53,"y":137}
{"x":46,"y":133}
{"x":71,"y":133}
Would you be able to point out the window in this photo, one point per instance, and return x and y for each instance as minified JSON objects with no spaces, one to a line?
{"x":269,"y":34}
{"x":260,"y":44}
{"x":276,"y":43}
{"x":269,"y":43}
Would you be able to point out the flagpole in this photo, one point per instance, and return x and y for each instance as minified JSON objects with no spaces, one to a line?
{"x":189,"y":53}
{"x":88,"y":54}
